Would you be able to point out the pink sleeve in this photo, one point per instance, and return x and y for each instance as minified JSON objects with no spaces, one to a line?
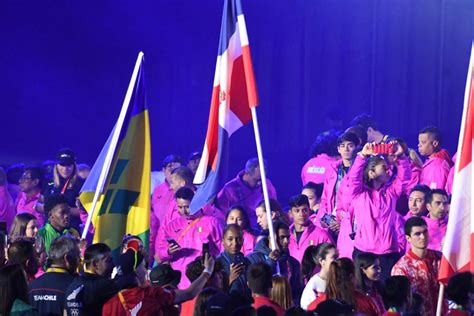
{"x":325,"y":198}
{"x":415,"y":177}
{"x":400,"y":228}
{"x":216,"y":235}
{"x":222,"y":200}
{"x":355,"y":177}
{"x":403,"y":177}
{"x":271,"y":190}
{"x":449,"y":181}
{"x":154,"y":226}
{"x":161,"y":245}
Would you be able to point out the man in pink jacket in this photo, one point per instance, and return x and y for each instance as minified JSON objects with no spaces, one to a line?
{"x":28,"y":200}
{"x":417,"y":201}
{"x":436,"y":168}
{"x":181,"y":241}
{"x":245,"y":190}
{"x":374,"y":196}
{"x":7,"y":205}
{"x":162,"y":197}
{"x":437,"y":219}
{"x":303,"y":232}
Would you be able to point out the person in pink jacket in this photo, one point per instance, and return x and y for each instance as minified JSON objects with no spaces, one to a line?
{"x":333,"y":195}
{"x":436,"y":168}
{"x":417,"y":201}
{"x":7,"y":205}
{"x":324,"y":154}
{"x":374,"y":196}
{"x":28,"y":200}
{"x":237,"y":215}
{"x":303,"y":232}
{"x":245,"y":190}
{"x":161,"y":198}
{"x":437,"y":219}
{"x":181,"y":241}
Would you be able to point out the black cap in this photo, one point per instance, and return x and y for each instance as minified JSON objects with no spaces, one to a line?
{"x":163,"y":274}
{"x":129,"y":261}
{"x":66,"y":157}
{"x":217,"y":303}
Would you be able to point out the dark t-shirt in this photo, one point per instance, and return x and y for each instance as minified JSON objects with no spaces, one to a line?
{"x":87,"y":293}
{"x":46,"y":293}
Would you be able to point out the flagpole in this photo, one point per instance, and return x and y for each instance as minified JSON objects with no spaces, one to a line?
{"x":113,"y":144}
{"x":440,"y":299}
{"x":264,"y":179}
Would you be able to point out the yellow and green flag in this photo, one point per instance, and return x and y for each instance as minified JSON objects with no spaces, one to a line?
{"x":120,"y":178}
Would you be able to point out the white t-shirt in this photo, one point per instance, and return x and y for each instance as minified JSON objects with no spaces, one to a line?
{"x":315,"y":285}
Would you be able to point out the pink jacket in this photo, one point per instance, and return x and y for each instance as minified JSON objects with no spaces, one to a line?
{"x":374,"y":210}
{"x":315,"y":169}
{"x":160,"y":200}
{"x":449,"y":181}
{"x":236,"y":192}
{"x":436,"y":231}
{"x":25,"y":205}
{"x":312,"y":235}
{"x":190,"y":234}
{"x":7,"y":206}
{"x":435,"y":173}
{"x":249,"y":243}
{"x":345,"y":244}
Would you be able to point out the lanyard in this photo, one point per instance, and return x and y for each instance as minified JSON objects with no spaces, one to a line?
{"x":184,"y":232}
{"x":65,"y":186}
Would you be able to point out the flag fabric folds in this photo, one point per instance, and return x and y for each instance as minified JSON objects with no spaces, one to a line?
{"x":233,"y":94}
{"x":124,"y":203}
{"x":458,"y":252}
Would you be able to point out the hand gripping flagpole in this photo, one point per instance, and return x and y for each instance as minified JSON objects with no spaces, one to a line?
{"x":113,"y":144}
{"x":264,"y":183}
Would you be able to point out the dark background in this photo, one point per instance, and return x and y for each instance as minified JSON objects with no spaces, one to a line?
{"x":65,"y":68}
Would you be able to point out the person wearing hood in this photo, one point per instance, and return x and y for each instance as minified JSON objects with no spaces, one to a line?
{"x":435,"y":170}
{"x":288,"y":266}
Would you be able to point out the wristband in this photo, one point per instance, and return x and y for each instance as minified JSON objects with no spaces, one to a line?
{"x":207,"y":271}
{"x":362,"y":155}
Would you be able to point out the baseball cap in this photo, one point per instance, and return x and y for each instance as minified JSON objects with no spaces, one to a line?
{"x":65,"y":157}
{"x":163,"y":274}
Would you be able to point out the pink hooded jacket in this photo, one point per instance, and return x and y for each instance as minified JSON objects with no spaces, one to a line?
{"x":190,"y":234}
{"x":315,"y":169}
{"x":236,"y":192}
{"x":374,"y":210}
{"x":160,"y":201}
{"x":436,"y":231}
{"x":312,"y":235}
{"x":435,"y":170}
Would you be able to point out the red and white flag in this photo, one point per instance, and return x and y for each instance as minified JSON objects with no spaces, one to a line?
{"x":458,"y":251}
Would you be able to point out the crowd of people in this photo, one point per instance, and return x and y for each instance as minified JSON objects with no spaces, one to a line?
{"x":361,"y":236}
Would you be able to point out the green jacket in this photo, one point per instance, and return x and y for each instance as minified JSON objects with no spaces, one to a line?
{"x":48,"y":233}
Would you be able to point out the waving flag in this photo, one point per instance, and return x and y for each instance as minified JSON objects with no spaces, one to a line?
{"x":121,"y":175}
{"x":233,"y":95}
{"x":458,"y":252}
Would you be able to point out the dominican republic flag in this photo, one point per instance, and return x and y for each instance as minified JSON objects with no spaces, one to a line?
{"x":458,"y":251}
{"x":233,"y":95}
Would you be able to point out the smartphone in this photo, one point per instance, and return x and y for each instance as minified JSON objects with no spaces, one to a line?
{"x":171,"y":241}
{"x":383,"y":149}
{"x":238,"y":260}
{"x":205,"y":249}
{"x":327,"y":219}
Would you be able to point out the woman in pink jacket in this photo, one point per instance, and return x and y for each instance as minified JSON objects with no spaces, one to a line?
{"x":374,"y":196}
{"x":237,"y":215}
